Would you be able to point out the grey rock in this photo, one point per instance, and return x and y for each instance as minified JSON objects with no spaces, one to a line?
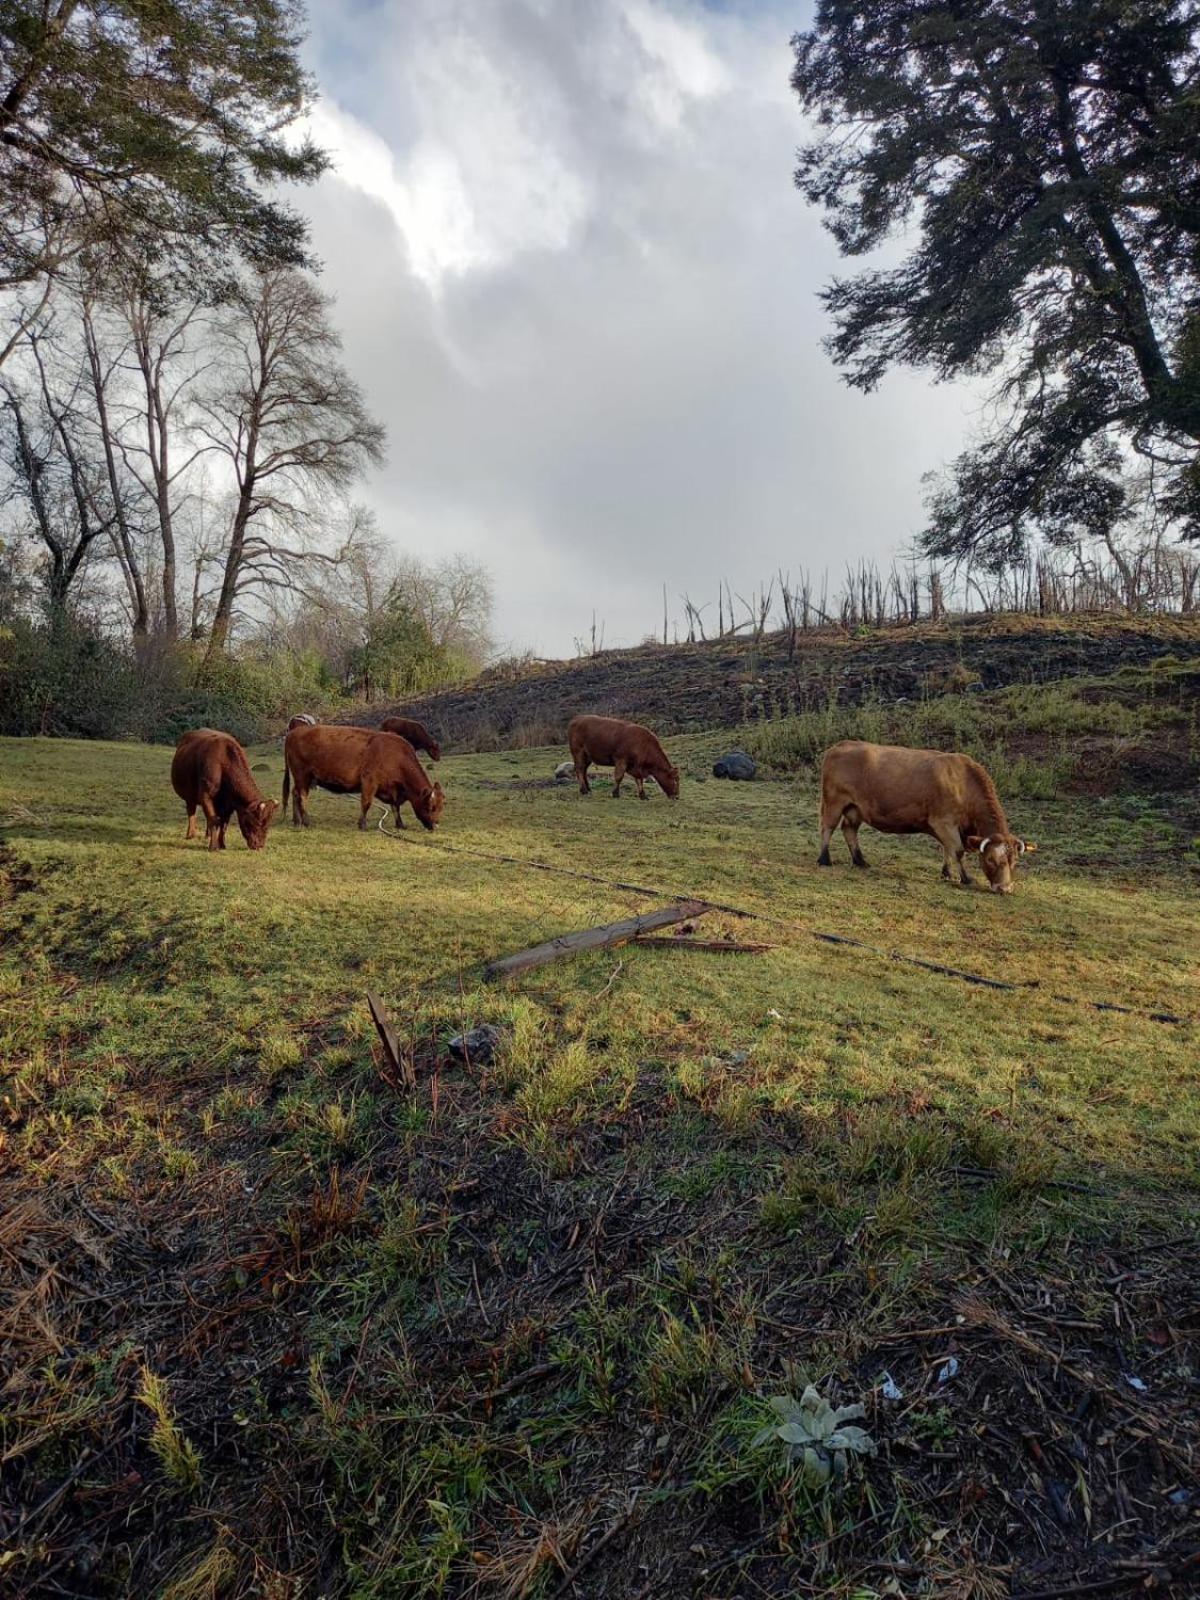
{"x":478,"y":1045}
{"x":737,"y":765}
{"x":563,"y":771}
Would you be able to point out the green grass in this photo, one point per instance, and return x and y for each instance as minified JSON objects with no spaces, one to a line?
{"x":1134,"y":705}
{"x":301,"y":1307}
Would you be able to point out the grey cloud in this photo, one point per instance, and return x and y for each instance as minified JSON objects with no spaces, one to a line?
{"x":618,"y":381}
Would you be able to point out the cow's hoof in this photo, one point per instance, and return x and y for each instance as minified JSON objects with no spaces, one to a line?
{"x":860,"y":860}
{"x":823,"y":860}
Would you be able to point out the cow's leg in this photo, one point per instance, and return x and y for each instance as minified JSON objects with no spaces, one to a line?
{"x":367,"y":797}
{"x":299,"y":806}
{"x":221,"y":832}
{"x":211,"y":821}
{"x":948,"y":836}
{"x":400,"y":822}
{"x":581,"y":768}
{"x":191,"y":827}
{"x":641,"y":787}
{"x":829,"y":821}
{"x":851,"y":821}
{"x":618,"y":778}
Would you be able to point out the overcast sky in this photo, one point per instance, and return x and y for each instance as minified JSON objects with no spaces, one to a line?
{"x":577,"y":283}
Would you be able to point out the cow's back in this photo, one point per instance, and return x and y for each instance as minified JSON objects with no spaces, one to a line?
{"x":391,"y":759}
{"x":202,"y":758}
{"x":891,"y":786}
{"x":605,"y":739}
{"x":329,"y":754}
{"x":416,"y":734}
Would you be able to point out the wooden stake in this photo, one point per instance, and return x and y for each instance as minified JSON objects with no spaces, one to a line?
{"x":402,"y":1067}
{"x":603,"y":938}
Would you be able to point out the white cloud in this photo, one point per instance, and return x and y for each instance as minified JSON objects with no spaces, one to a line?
{"x":578,"y":285}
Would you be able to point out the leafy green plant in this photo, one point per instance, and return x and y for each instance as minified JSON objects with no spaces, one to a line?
{"x":819,"y":1439}
{"x":177,"y":1455}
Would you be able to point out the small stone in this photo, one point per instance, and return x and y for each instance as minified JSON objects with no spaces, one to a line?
{"x":478,"y":1045}
{"x":563,"y":771}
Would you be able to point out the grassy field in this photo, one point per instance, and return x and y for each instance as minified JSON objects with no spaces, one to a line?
{"x":272,"y":1324}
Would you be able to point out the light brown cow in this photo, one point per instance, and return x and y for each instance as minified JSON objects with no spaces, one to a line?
{"x":918,"y":791}
{"x":358,"y":761}
{"x":210,"y":770}
{"x":417,"y":734}
{"x":626,"y":747}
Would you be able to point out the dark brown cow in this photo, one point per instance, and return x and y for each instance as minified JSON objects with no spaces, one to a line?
{"x":627,"y":748}
{"x":210,"y":770}
{"x":918,"y":791}
{"x":358,"y":761}
{"x":417,"y":734}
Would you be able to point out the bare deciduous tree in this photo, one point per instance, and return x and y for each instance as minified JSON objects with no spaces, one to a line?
{"x":167,"y":349}
{"x":54,"y":467}
{"x":293,"y":426}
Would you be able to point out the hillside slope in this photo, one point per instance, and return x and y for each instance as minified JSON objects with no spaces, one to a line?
{"x":727,"y":682}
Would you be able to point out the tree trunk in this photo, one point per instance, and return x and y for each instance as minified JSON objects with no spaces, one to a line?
{"x":122,"y":538}
{"x":223,"y":616}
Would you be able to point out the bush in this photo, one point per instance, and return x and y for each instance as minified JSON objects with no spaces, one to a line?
{"x":63,"y":677}
{"x":66,"y":678}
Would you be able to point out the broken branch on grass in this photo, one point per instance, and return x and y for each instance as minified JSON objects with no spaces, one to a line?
{"x":615,"y":1527}
{"x":602,"y":938}
{"x":616,"y":973}
{"x":400,"y":1064}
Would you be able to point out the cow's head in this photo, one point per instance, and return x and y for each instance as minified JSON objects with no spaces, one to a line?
{"x":1000,"y":853}
{"x":435,"y":750}
{"x":668,"y":781}
{"x":255,"y":819}
{"x":428,"y":806}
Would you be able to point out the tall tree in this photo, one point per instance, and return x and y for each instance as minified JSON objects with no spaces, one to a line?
{"x":167,"y":346}
{"x":102,"y":363}
{"x":54,"y":468}
{"x":160,"y":120}
{"x":1040,"y":160}
{"x":292,"y":425}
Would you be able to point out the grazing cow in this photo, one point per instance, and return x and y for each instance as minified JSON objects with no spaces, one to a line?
{"x":918,"y":791}
{"x":210,"y":770}
{"x":415,"y":732}
{"x":627,"y":748}
{"x":358,"y":761}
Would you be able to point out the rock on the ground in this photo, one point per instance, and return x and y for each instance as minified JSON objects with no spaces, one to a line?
{"x":563,"y":771}
{"x":737,"y":764}
{"x":477,"y":1045}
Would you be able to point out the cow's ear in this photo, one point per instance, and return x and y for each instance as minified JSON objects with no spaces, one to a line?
{"x":973,"y":841}
{"x":437,"y":789}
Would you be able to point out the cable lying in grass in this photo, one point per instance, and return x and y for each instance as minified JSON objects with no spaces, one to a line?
{"x":794,"y":927}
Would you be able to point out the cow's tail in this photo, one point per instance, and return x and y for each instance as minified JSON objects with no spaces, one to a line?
{"x":287,"y":782}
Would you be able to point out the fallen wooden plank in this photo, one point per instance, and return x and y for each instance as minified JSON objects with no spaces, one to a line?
{"x":731,"y":947}
{"x":604,"y":938}
{"x":402,"y":1067}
